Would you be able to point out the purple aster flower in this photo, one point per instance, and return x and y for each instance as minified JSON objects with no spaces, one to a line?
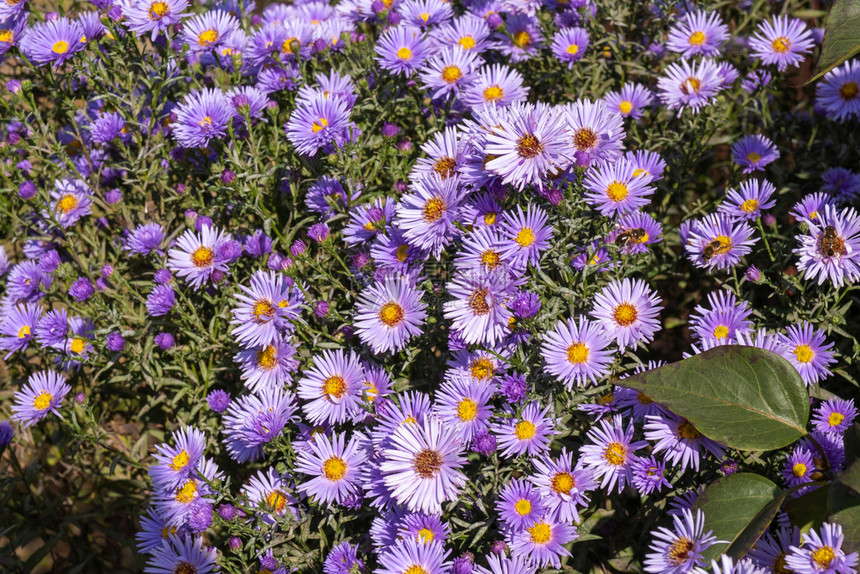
{"x":843,"y":184}
{"x":389,"y":314}
{"x":630,"y":101}
{"x":717,"y":242}
{"x":834,"y":415}
{"x":163,"y":277}
{"x":806,"y":348}
{"x":514,"y":387}
{"x":195,"y":256}
{"x":426,"y":214}
{"x":204,"y":115}
{"x":107,"y":127}
{"x":160,"y":300}
{"x":613,"y":189}
{"x":319,"y":232}
{"x":753,"y":152}
{"x":390,"y":130}
{"x":254,"y":420}
{"x":165,"y":341}
{"x":176,"y":464}
{"x":531,"y":431}
{"x":690,"y":84}
{"x":402,"y":50}
{"x":113,"y":196}
{"x":839,"y":91}
{"x":698,"y":33}
{"x":449,"y":71}
{"x":782,"y":41}
{"x":71,"y":200}
{"x":53,"y":42}
{"x":411,"y":556}
{"x":500,"y":564}
{"x":544,"y":542}
{"x":332,"y":387}
{"x":52,"y":329}
{"x":610,"y":453}
{"x":497,"y":84}
{"x":770,"y":553}
{"x":258,"y":244}
{"x":479,"y":308}
{"x":218,"y":400}
{"x":484,"y":443}
{"x":425,"y":13}
{"x":462,"y":403}
{"x":798,"y":468}
{"x":6,"y":434}
{"x":27,"y":190}
{"x":343,"y":559}
{"x":423,"y":528}
{"x":524,"y":236}
{"x":748,"y":203}
{"x":628,"y":310}
{"x":648,"y":475}
{"x":183,"y":554}
{"x":247,"y":101}
{"x":115,"y":342}
{"x":317,"y":123}
{"x":209,"y":30}
{"x":634,"y":231}
{"x":422,"y":465}
{"x":146,"y":239}
{"x":820,"y":552}
{"x":575,"y":352}
{"x":521,"y":40}
{"x":727,"y":318}
{"x":596,"y":132}
{"x":679,"y":550}
{"x":831,"y":247}
{"x":466,"y":33}
{"x":266,"y":309}
{"x":680,"y":440}
{"x":81,"y":289}
{"x":43,"y":393}
{"x":143,"y":16}
{"x":569,"y":45}
{"x":562,"y":485}
{"x":267,"y":366}
{"x":18,"y":327}
{"x":525,"y":304}
{"x":334,"y":466}
{"x":519,"y":505}
{"x":446,"y":155}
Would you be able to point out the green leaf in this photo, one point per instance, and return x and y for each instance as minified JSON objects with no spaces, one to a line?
{"x":747,"y":537}
{"x":744,"y":397}
{"x":735,"y":507}
{"x":843,"y":507}
{"x":810,"y":510}
{"x":841,"y":36}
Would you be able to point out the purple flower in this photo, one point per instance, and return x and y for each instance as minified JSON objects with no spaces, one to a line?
{"x":258,"y":244}
{"x":27,"y":190}
{"x":390,"y":130}
{"x":53,"y":42}
{"x":319,"y":232}
{"x":218,"y":401}
{"x":204,"y":115}
{"x":484,"y":443}
{"x":6,"y":434}
{"x":81,"y":289}
{"x":146,"y":239}
{"x":160,"y":300}
{"x":165,"y":341}
{"x":526,"y":304}
{"x":226,"y":511}
{"x":163,"y":277}
{"x":514,"y":387}
{"x":115,"y":342}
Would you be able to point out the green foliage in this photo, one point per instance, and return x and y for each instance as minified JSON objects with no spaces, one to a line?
{"x":841,"y":36}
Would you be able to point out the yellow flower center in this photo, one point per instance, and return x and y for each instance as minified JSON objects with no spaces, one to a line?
{"x":691,"y":84}
{"x":490,"y":217}
{"x":60,"y":47}
{"x":424,"y":16}
{"x":77,"y":346}
{"x":334,"y":468}
{"x":24,"y":331}
{"x":490,"y":259}
{"x":157,"y":10}
{"x":334,"y":386}
{"x":42,"y":401}
{"x":562,"y":482}
{"x":749,"y":206}
{"x":277,"y":500}
{"x":481,"y":369}
{"x":525,"y":238}
{"x":207,"y":37}
{"x":625,"y":108}
{"x":721,"y":332}
{"x":415,"y":569}
{"x":493,"y":93}
{"x":179,"y":461}
{"x":402,"y":253}
{"x":445,"y":167}
{"x":577,"y":353}
{"x":615,"y":454}
{"x":798,"y":469}
{"x":265,"y":358}
{"x":847,"y":91}
{"x":467,"y":410}
{"x":202,"y":256}
{"x":318,"y":125}
{"x":529,"y":146}
{"x":425,"y":535}
{"x":186,"y":494}
{"x":523,"y":507}
{"x":525,"y":430}
{"x":753,"y":157}
{"x":624,"y":314}
{"x":522,"y":39}
{"x":67,"y":203}
{"x":584,"y":139}
{"x":466,"y":42}
{"x":697,"y":38}
{"x":616,"y":191}
{"x":680,"y":551}
{"x":688,"y":431}
{"x":835,"y":419}
{"x":404,"y":53}
{"x":803,"y":353}
{"x":434,"y":209}
{"x":263,"y":310}
{"x":540,"y":533}
{"x":391,"y":314}
{"x":6,"y":36}
{"x":823,"y":557}
{"x":781,"y":45}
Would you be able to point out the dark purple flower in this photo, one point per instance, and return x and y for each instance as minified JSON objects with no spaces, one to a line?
{"x":6,"y":434}
{"x":200,"y":517}
{"x":113,"y":196}
{"x":235,"y":543}
{"x":115,"y":342}
{"x":768,"y":219}
{"x":107,"y":270}
{"x":752,"y":274}
{"x":463,"y":564}
{"x":49,"y":261}
{"x":201,"y":222}
{"x":360,"y":259}
{"x":394,"y":18}
{"x":160,"y":300}
{"x":27,"y":190}
{"x":353,"y":501}
{"x":319,"y":232}
{"x":218,"y":400}
{"x":729,"y":467}
{"x":80,"y":398}
{"x":228,"y":251}
{"x":390,"y":130}
{"x":227,"y":511}
{"x":81,"y":289}
{"x":115,"y":13}
{"x":163,"y":277}
{"x":484,"y":443}
{"x":525,"y":305}
{"x":275,"y":261}
{"x":52,"y":328}
{"x":145,"y":239}
{"x":227,"y":177}
{"x":180,"y":189}
{"x":404,"y":145}
{"x":499,"y":547}
{"x":268,"y":562}
{"x":514,"y":387}
{"x":298,"y":248}
{"x":13,"y":86}
{"x":165,"y":341}
{"x":258,"y":244}
{"x":321,"y":309}
{"x":102,"y":284}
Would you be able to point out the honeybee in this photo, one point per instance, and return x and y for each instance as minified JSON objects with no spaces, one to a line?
{"x":712,"y":249}
{"x":630,"y":237}
{"x":831,"y":244}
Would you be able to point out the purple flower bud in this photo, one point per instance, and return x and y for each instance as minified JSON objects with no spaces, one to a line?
{"x":347,"y":331}
{"x":81,"y":289}
{"x":319,"y":232}
{"x":80,"y":398}
{"x":227,"y":511}
{"x":462,"y":565}
{"x":113,"y":196}
{"x":217,"y":276}
{"x":484,"y":443}
{"x":180,"y":189}
{"x":404,"y":145}
{"x":526,"y":304}
{"x":394,"y":18}
{"x":256,"y":19}
{"x":49,"y":261}
{"x":218,"y":400}
{"x":286,"y":263}
{"x":495,"y":21}
{"x":499,"y":547}
{"x":13,"y":86}
{"x":514,"y":387}
{"x":390,"y":130}
{"x":752,"y":274}
{"x":163,"y":277}
{"x":227,"y":177}
{"x":201,"y":222}
{"x":268,"y":563}
{"x":200,"y":517}
{"x":360,"y":259}
{"x":115,"y":342}
{"x":401,"y":186}
{"x":190,"y":214}
{"x":107,"y":270}
{"x":51,"y":16}
{"x":102,"y":284}
{"x":27,"y":190}
{"x":729,"y":467}
{"x":258,"y":244}
{"x":377,"y":6}
{"x":768,"y":220}
{"x":6,"y":434}
{"x":319,"y":46}
{"x":274,"y":262}
{"x":298,"y":248}
{"x":235,"y":543}
{"x":321,"y":309}
{"x":375,"y":214}
{"x":165,"y":341}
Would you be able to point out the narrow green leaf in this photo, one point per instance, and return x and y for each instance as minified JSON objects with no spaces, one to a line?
{"x":744,"y":397}
{"x":747,"y":537}
{"x":731,"y":504}
{"x":841,"y":36}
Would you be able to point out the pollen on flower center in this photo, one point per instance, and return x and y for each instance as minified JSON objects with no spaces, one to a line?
{"x":266,"y":358}
{"x":781,"y":45}
{"x":572,"y":49}
{"x":7,"y":36}
{"x":157,"y":10}
{"x":493,"y":93}
{"x":466,"y":42}
{"x":753,"y":157}
{"x":577,"y":353}
{"x":434,"y":208}
{"x":415,"y":569}
{"x":522,"y":39}
{"x":490,"y":217}
{"x":835,"y":419}
{"x":490,"y":259}
{"x":523,"y":507}
{"x":334,"y":468}
{"x":179,"y":461}
{"x":77,"y":346}
{"x":185,"y":568}
{"x":803,"y":353}
{"x":277,"y":500}
{"x":625,"y":108}
{"x":451,"y":74}
{"x":60,"y":47}
{"x":562,"y":482}
{"x":391,"y":314}
{"x":540,"y":533}
{"x":823,"y":557}
{"x":478,"y":302}
{"x":849,"y":91}
{"x":481,"y":369}
{"x":525,"y":237}
{"x":721,"y":332}
{"x":425,"y":535}
{"x":202,"y":256}
{"x":688,"y":431}
{"x":680,"y":550}
{"x":404,"y":53}
{"x":427,"y":463}
{"x":467,"y":410}
{"x":445,"y":166}
{"x":617,"y":191}
{"x":529,"y":146}
{"x":263,"y":310}
{"x":318,"y":125}
{"x":402,"y":253}
{"x":624,"y":314}
{"x":525,"y":430}
{"x":67,"y":203}
{"x":334,"y":386}
{"x":42,"y":401}
{"x":798,"y":469}
{"x":186,"y":494}
{"x":691,"y":84}
{"x":615,"y":454}
{"x":697,"y":38}
{"x":749,"y":206}
{"x":207,"y":37}
{"x":24,"y":331}
{"x":584,"y":139}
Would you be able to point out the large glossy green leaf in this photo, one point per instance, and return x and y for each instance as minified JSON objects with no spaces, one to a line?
{"x":744,"y":397}
{"x":841,"y":36}
{"x":736,"y":507}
